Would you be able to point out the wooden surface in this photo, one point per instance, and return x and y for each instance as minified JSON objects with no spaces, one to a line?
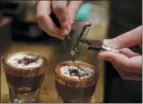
{"x":55,"y":54}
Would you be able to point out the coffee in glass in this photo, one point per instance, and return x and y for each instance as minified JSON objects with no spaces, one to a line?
{"x":24,"y":73}
{"x":75,"y":81}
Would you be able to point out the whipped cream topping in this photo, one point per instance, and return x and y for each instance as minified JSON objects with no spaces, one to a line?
{"x":25,"y":60}
{"x":76,"y":72}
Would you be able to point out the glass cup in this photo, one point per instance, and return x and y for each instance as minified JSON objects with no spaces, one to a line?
{"x":24,"y":73}
{"x":75,"y":81}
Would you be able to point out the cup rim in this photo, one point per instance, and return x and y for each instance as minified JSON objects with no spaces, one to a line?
{"x":28,"y":72}
{"x":8,"y":55}
{"x":72,"y":82}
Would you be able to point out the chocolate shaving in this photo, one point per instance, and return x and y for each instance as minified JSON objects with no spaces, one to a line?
{"x":19,"y":61}
{"x":27,"y":60}
{"x":76,"y":72}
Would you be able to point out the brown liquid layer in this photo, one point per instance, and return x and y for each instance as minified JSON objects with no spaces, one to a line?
{"x":25,"y":84}
{"x":71,"y":94}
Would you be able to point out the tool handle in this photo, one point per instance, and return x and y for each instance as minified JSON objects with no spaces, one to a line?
{"x":55,"y":19}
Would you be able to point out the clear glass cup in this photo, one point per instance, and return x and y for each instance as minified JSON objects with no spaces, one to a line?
{"x":79,"y":87}
{"x":24,"y":82}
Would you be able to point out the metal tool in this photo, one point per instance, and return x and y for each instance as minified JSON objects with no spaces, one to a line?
{"x":97,"y":45}
{"x":78,"y":32}
{"x":77,"y":38}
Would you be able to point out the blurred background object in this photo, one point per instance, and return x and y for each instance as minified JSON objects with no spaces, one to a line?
{"x":5,"y":34}
{"x":8,"y":11}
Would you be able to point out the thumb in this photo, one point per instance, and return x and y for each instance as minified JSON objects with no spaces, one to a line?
{"x":127,"y":39}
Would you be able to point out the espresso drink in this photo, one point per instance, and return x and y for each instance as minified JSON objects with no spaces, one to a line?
{"x":75,"y":81}
{"x":24,"y":73}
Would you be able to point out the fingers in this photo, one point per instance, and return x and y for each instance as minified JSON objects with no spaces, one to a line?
{"x":49,"y":30}
{"x":44,"y":20}
{"x":127,"y":75}
{"x":127,"y":52}
{"x":61,"y":10}
{"x":128,"y":64}
{"x":73,"y":8}
{"x":127,"y":39}
{"x":136,"y":63}
{"x":111,"y":56}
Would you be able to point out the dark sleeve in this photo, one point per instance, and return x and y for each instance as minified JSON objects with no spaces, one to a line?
{"x":125,"y":14}
{"x":9,"y":8}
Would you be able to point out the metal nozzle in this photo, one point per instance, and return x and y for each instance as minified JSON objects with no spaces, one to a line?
{"x":78,"y":33}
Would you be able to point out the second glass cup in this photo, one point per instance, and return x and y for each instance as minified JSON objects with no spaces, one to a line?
{"x":75,"y":81}
{"x":24,"y":73}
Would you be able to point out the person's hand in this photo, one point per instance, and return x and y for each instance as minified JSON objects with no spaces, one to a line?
{"x":64,"y":10}
{"x":127,"y":63}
